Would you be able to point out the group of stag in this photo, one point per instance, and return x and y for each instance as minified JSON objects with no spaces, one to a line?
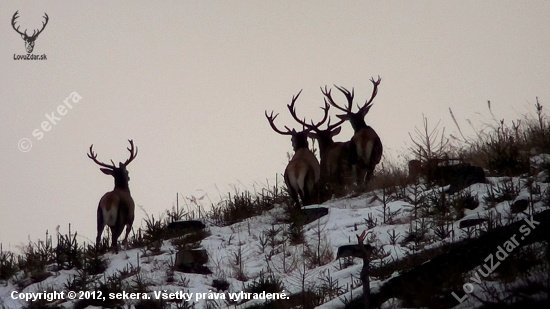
{"x":358,"y":157}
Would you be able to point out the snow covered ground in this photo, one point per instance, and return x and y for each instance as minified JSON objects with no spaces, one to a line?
{"x":241,"y":248}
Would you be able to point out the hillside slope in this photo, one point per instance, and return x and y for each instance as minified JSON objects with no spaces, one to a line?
{"x":265,"y":252}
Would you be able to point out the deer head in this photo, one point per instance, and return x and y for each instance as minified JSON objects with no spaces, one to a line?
{"x":298,"y":138}
{"x":120,"y":173}
{"x":356,"y":119}
{"x":29,"y":40}
{"x":324,"y":137}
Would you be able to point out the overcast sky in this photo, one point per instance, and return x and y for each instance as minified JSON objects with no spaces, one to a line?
{"x":189,"y":82}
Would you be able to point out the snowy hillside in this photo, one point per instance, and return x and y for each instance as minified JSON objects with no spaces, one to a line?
{"x":259,"y":249}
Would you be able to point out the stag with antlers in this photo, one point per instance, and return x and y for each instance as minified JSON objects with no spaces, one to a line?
{"x":116,"y":208}
{"x":365,"y":147}
{"x":29,"y":40}
{"x":333,"y":154}
{"x":303,"y":171}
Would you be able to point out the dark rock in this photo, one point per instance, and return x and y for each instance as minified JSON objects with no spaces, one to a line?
{"x":415,"y":169}
{"x":352,"y":250}
{"x":194,"y":269}
{"x":470,"y":202}
{"x":220,"y":285}
{"x":462,"y":176}
{"x":188,"y":256}
{"x":519,"y":205}
{"x":471,"y":222}
{"x":191,"y":225}
{"x":457,"y":176}
{"x":191,"y":261}
{"x":413,"y":236}
{"x":312,"y":214}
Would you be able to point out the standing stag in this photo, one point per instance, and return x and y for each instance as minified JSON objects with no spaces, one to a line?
{"x":365,"y":148}
{"x":303,"y":171}
{"x":334,"y":155}
{"x":116,"y":208}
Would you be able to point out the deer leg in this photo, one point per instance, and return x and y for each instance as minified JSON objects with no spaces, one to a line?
{"x":128,"y":229}
{"x":368,"y":176}
{"x":100,"y":227}
{"x":294,"y":196}
{"x":114,"y":237}
{"x":359,"y":175}
{"x":369,"y":172}
{"x":353,"y":162}
{"x":117,"y":229}
{"x":292,"y":192}
{"x":303,"y":197}
{"x":306,"y":197}
{"x":312,"y":189}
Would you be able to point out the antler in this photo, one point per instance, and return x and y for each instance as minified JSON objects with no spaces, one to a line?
{"x":368,"y":103}
{"x":132,"y":154}
{"x":312,"y":126}
{"x":348,"y":95}
{"x":34,"y":33}
{"x":330,"y":127}
{"x":271,"y":118}
{"x":43,"y":26}
{"x":93,"y":156}
{"x":361,"y":238}
{"x":13,"y":24}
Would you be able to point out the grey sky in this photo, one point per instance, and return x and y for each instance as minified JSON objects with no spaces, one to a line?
{"x":189,"y":81}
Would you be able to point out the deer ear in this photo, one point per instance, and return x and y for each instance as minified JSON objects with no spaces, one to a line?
{"x":343,"y":117}
{"x":363,"y":112}
{"x":335,"y":131}
{"x":107,"y":171}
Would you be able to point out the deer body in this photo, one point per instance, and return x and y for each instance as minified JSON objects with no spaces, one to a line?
{"x":334,"y":160}
{"x":367,"y":149}
{"x":116,"y":208}
{"x":303,"y":171}
{"x":302,"y":174}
